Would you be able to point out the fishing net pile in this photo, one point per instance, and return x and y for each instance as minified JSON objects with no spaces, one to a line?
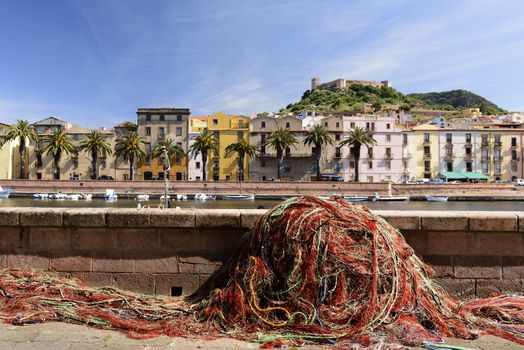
{"x":310,"y":270}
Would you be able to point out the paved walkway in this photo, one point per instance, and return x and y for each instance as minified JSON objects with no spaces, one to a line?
{"x":62,"y":336}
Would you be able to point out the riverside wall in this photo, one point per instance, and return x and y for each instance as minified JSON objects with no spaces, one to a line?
{"x":174,"y":251}
{"x":261,"y":188}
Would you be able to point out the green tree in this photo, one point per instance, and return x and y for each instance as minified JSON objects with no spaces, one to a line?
{"x":96,"y":145}
{"x":205,"y":143}
{"x":130,"y":148}
{"x":358,"y":137}
{"x":377,"y":106}
{"x":23,"y":132}
{"x":57,"y":144}
{"x":279,"y":140}
{"x":243,"y":149}
{"x":173,"y":150}
{"x":318,"y":136}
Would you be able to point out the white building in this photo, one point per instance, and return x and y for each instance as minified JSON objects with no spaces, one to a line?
{"x":195,"y":165}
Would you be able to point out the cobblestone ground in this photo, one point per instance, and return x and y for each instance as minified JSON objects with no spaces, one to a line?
{"x":61,"y":336}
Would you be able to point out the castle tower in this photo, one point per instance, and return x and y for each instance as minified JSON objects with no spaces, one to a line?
{"x":315,"y":82}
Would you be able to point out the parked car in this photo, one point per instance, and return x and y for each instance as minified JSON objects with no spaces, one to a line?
{"x":518,"y":182}
{"x":105,"y":177}
{"x":329,"y":177}
{"x":437,"y":182}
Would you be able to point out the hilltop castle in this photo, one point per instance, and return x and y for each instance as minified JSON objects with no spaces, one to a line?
{"x":343,"y":83}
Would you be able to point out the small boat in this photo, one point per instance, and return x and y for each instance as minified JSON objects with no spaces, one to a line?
{"x":86,"y":196}
{"x":73,"y":197}
{"x":110,"y":195}
{"x":239,"y":197}
{"x":142,"y":197}
{"x":204,"y":197}
{"x":59,"y":196}
{"x":5,"y":192}
{"x":356,"y":198}
{"x":162,"y":197}
{"x":40,"y":196}
{"x":378,"y":198}
{"x":181,"y":197}
{"x":436,"y":198}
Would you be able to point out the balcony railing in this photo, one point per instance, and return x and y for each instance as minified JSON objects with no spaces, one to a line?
{"x":427,"y":155}
{"x":484,"y":143}
{"x":449,"y":156}
{"x":388,"y":156}
{"x":427,"y":142}
{"x":497,"y":144}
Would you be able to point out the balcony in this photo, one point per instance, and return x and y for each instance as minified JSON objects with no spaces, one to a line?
{"x":514,"y":146}
{"x":485,"y":143}
{"x":449,"y":156}
{"x":337,"y":155}
{"x":388,"y":156}
{"x":427,"y":156}
{"x":497,"y":144}
{"x":468,"y":156}
{"x":161,"y":136}
{"x":468,"y":144}
{"x":426,"y":142}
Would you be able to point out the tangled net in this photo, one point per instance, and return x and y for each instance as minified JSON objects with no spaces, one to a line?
{"x":310,"y":269}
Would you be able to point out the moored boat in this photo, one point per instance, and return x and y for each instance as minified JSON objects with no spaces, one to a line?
{"x":143,"y":197}
{"x":239,"y":197}
{"x":203,"y":197}
{"x":356,"y":198}
{"x":110,"y":195}
{"x":436,"y":198}
{"x":389,"y":198}
{"x":5,"y":192}
{"x":40,"y":196}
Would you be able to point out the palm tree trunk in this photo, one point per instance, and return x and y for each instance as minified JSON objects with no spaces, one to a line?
{"x":318,"y":152}
{"x":280,"y":159}
{"x":21,"y":150}
{"x":57,"y":166}
{"x":131,"y":161}
{"x":241,"y":168}
{"x":356,"y":151}
{"x":94,"y":161}
{"x":204,"y":162}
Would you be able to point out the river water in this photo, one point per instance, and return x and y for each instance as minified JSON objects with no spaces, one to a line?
{"x":225,"y":204}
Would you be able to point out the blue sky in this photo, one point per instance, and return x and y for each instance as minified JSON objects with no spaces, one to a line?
{"x":94,"y":62}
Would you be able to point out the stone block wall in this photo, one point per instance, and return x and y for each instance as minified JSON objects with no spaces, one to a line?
{"x":174,"y":251}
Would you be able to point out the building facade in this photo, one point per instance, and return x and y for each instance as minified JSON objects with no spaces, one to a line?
{"x":195,"y":164}
{"x":154,"y":125}
{"x":9,"y":156}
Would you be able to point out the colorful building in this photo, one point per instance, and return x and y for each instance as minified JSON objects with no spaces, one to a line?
{"x":228,"y":129}
{"x":9,"y":158}
{"x":195,"y":164}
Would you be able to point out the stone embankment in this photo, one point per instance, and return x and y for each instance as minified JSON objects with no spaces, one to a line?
{"x":174,"y":251}
{"x":27,"y":187}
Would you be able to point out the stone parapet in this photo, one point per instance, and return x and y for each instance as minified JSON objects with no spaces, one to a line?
{"x":172,"y":251}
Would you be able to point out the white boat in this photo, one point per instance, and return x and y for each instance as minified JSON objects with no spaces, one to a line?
{"x":142,"y":197}
{"x":40,"y":196}
{"x":73,"y":197}
{"x":181,"y":197}
{"x":5,"y":192}
{"x":59,"y":196}
{"x":239,"y":197}
{"x":436,"y":198}
{"x":203,"y":197}
{"x":389,"y":198}
{"x":162,"y":197}
{"x":356,"y":198}
{"x":110,"y":195}
{"x":86,"y":196}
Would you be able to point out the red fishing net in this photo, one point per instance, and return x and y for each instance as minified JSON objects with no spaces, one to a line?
{"x":310,"y":270}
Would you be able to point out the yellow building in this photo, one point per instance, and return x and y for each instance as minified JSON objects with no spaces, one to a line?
{"x":8,"y":157}
{"x":421,"y":155}
{"x":228,"y":129}
{"x":470,"y":112}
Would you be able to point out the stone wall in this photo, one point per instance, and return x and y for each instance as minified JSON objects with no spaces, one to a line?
{"x":172,"y":251}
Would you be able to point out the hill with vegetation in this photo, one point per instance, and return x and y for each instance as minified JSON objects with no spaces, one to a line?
{"x":357,"y":97}
{"x":458,"y":99}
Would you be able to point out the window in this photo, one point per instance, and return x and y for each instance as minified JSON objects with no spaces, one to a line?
{"x":370,"y":164}
{"x":468,"y":151}
{"x":262,"y":125}
{"x":351,"y":164}
{"x":216,"y":135}
{"x":75,"y":163}
{"x":448,"y":138}
{"x":148,"y":131}
{"x":514,"y":155}
{"x":352,"y":125}
{"x":162,"y":118}
{"x":497,"y":139}
{"x":178,"y":160}
{"x":338,"y":153}
{"x":263,"y":138}
{"x":426,"y":137}
{"x":240,"y":123}
{"x":497,"y":155}
{"x":468,"y":138}
{"x":337,"y":137}
{"x":160,"y":161}
{"x":388,"y":164}
{"x":148,"y":117}
{"x":497,"y":168}
{"x":485,"y":139}
{"x":161,"y":132}
{"x":449,"y":166}
{"x":469,"y":167}
{"x":513,"y":142}
{"x":215,"y":121}
{"x":197,"y":165}
{"x":388,"y":152}
{"x":103,"y":163}
{"x":485,"y":154}
{"x":388,"y":138}
{"x":405,"y":139}
{"x":514,"y":166}
{"x":262,"y":163}
{"x":262,"y":150}
{"x":240,"y":135}
{"x":326,"y":124}
{"x":370,"y":152}
{"x":427,"y":151}
{"x":178,"y":131}
{"x":388,"y":126}
{"x":288,"y":151}
{"x":351,"y":152}
{"x":126,"y":176}
{"x":148,"y":147}
{"x":427,"y":166}
{"x":485,"y":168}
{"x":287,"y":168}
{"x":75,"y":137}
{"x":337,"y":124}
{"x":288,"y":125}
{"x":370,"y":179}
{"x":337,"y":168}
{"x":38,"y":160}
{"x":178,"y":118}
{"x":314,"y":167}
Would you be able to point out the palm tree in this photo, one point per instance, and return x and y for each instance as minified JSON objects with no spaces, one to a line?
{"x":21,"y":131}
{"x":57,"y":144}
{"x":243,"y":148}
{"x":173,"y":150}
{"x":95,"y":144}
{"x":130,"y":148}
{"x":279,"y":140}
{"x":318,"y":136}
{"x":358,"y":137}
{"x":205,"y":143}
